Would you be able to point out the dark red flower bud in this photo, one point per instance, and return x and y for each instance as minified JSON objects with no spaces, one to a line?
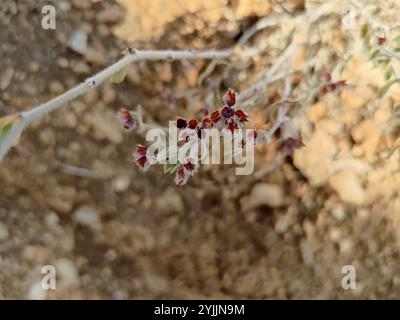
{"x":330,"y":87}
{"x":184,"y":172}
{"x":381,"y":40}
{"x":241,"y":115}
{"x":232,"y":126}
{"x":215,"y":116}
{"x":181,"y":123}
{"x":341,"y":83}
{"x":189,"y":166}
{"x":192,"y":124}
{"x":230,"y":98}
{"x":181,"y":177}
{"x":206,"y":121}
{"x":126,"y":119}
{"x":141,"y":150}
{"x":141,"y":158}
{"x":323,"y":91}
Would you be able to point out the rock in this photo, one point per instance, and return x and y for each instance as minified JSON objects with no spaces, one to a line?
{"x":170,"y":201}
{"x":6,"y":78}
{"x":110,"y":15}
{"x":121,"y":183}
{"x":264,"y":194}
{"x":34,"y":66}
{"x":70,"y":120}
{"x":51,"y":219}
{"x":81,"y":68}
{"x":47,"y":137}
{"x":81,"y":4}
{"x":346,"y":245}
{"x":63,"y":62}
{"x":56,"y":87}
{"x":63,"y":200}
{"x":106,"y":126}
{"x":349,"y":163}
{"x":36,"y":253}
{"x":317,"y":111}
{"x":315,"y":160}
{"x":64,"y":6}
{"x":335,"y":234}
{"x":20,"y":76}
{"x":4,"y":234}
{"x":339,"y":213}
{"x":356,"y":98}
{"x":78,"y":42}
{"x":111,"y":255}
{"x":95,"y":57}
{"x":155,"y":283}
{"x":284,"y":222}
{"x":108,"y":95}
{"x":307,"y":251}
{"x":67,"y":272}
{"x":367,"y":136}
{"x":36,"y":292}
{"x":348,"y":186}
{"x":88,"y":217}
{"x":118,"y":295}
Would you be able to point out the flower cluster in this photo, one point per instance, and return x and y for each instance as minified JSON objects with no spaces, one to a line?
{"x":227,"y":118}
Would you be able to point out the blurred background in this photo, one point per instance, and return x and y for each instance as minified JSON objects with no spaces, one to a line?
{"x":71,"y":197}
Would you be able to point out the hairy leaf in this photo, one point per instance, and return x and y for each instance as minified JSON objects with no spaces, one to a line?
{"x":119,"y":76}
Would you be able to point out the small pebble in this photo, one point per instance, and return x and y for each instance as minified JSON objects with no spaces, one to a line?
{"x":88,"y":217}
{"x":78,"y":42}
{"x":121,"y":183}
{"x":110,"y":15}
{"x":67,"y":272}
{"x":6,"y":78}
{"x":36,"y":292}
{"x":4,"y":233}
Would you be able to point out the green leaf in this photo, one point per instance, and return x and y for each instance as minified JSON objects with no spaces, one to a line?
{"x":388,"y":74}
{"x":5,"y":130}
{"x":119,"y":76}
{"x":364,"y":31}
{"x":383,"y":61}
{"x":9,"y":132}
{"x":387,"y":86}
{"x":171,"y":167}
{"x":6,"y":124}
{"x":374,"y":54}
{"x":218,"y":101}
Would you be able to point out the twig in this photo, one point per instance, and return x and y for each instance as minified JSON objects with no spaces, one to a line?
{"x":82,"y":172}
{"x":281,"y":117}
{"x":26,"y":117}
{"x":268,"y":21}
{"x":269,"y":76}
{"x":100,"y":77}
